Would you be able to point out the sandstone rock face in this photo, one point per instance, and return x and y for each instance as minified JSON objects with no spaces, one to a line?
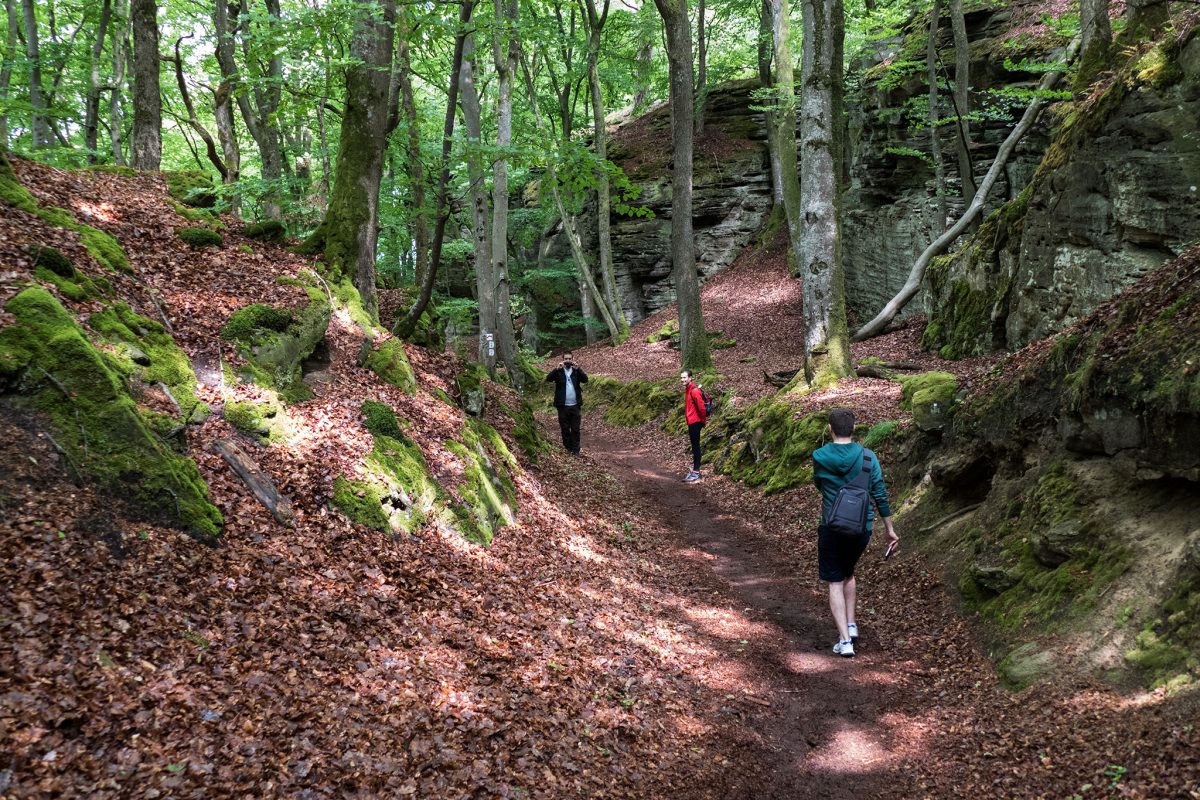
{"x":1123,"y":200}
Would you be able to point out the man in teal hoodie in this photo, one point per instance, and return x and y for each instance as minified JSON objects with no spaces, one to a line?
{"x":834,"y":466}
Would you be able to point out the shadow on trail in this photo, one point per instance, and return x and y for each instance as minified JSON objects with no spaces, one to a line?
{"x":824,"y":734}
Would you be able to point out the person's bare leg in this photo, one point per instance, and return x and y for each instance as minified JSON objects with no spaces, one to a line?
{"x":837,"y":604}
{"x":850,"y":593}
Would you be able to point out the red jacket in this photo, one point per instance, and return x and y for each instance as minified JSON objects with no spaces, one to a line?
{"x":693,"y":404}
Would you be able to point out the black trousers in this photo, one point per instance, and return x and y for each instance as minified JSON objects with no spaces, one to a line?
{"x":694,"y":434}
{"x":569,"y":420}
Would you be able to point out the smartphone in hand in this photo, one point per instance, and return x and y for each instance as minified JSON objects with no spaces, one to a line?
{"x":891,"y":548}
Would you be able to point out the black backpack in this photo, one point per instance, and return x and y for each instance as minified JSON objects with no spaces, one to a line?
{"x":708,"y":402}
{"x":848,"y":514}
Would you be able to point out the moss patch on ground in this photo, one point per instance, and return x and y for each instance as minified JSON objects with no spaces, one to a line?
{"x":192,"y":188}
{"x":270,"y":230}
{"x":1167,"y":650}
{"x":52,"y":369}
{"x":768,"y":445}
{"x":632,"y":404}
{"x":200,"y":237}
{"x":390,"y":362}
{"x":264,"y":421}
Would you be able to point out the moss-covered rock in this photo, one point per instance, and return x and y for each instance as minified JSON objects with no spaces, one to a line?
{"x":51,"y":259}
{"x":390,"y":362}
{"x":767,"y":445}
{"x":204,"y":216}
{"x":270,"y":230}
{"x":149,"y":353}
{"x":669,"y":329}
{"x":200,"y":236}
{"x":192,"y":188}
{"x":55,"y":371}
{"x":471,"y":393}
{"x":265,"y":421}
{"x":1169,"y":644}
{"x":275,"y":342}
{"x":632,"y":404}
{"x":931,"y":397}
{"x":361,"y":502}
{"x":487,"y":491}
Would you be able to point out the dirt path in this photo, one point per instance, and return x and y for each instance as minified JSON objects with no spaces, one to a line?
{"x":825,"y":726}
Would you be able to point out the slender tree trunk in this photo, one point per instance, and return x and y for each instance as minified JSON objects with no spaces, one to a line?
{"x":877,"y":325}
{"x":826,"y":338}
{"x":694,"y":348}
{"x":935,"y":138}
{"x":784,"y":117}
{"x":40,"y":125}
{"x":506,"y":48}
{"x":701,"y":69}
{"x":348,"y":235}
{"x":223,"y":100}
{"x":962,"y":101}
{"x":265,"y":129}
{"x":147,"y":99}
{"x":91,"y":125}
{"x":413,"y":166}
{"x":643,"y":63}
{"x":766,"y":47}
{"x":116,"y":114}
{"x":408,"y":323}
{"x":587,"y":309}
{"x":571,"y":229}
{"x":1146,"y":20}
{"x":210,"y":146}
{"x":10,"y":55}
{"x":1096,"y":30}
{"x":485,"y":285}
{"x":595,"y":24}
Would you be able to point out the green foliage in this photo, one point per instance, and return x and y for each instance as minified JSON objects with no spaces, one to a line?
{"x":200,"y":237}
{"x":58,"y":374}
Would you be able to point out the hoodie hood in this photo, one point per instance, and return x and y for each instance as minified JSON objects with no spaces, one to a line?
{"x":839,"y":459}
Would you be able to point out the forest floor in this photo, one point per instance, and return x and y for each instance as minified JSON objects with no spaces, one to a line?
{"x":628,"y":637}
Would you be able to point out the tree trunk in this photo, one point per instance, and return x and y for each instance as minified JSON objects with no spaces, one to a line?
{"x":694,"y":349}
{"x":826,"y":339}
{"x":223,"y":100}
{"x":917,"y":273}
{"x":485,"y":286}
{"x":595,"y":22}
{"x":935,"y":139}
{"x":10,"y":55}
{"x":1096,"y":32}
{"x":784,"y":117}
{"x":643,"y":62}
{"x":701,"y":70}
{"x":147,"y":99}
{"x":210,"y":146}
{"x":350,"y":230}
{"x":506,"y":48}
{"x":587,"y":308}
{"x":962,"y":101}
{"x":91,"y":125}
{"x":413,"y":166}
{"x":116,"y":115}
{"x":1147,"y":19}
{"x":765,"y":49}
{"x":40,"y":125}
{"x":408,"y":323}
{"x":265,"y":129}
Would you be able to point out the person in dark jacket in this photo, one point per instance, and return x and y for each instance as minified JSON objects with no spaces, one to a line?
{"x":568,"y":378}
{"x":835,"y":465}
{"x":694,"y":412}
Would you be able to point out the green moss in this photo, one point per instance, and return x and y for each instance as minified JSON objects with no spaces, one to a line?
{"x":767,"y":445}
{"x":254,"y":319}
{"x":349,"y":299}
{"x":11,"y":190}
{"x":880,"y":433}
{"x":270,"y":230}
{"x":263,"y":421}
{"x":717,"y":340}
{"x":165,"y":363}
{"x":113,"y":169}
{"x":200,"y":236}
{"x":201,"y":215}
{"x":361,"y":502}
{"x":52,"y":260}
{"x":192,"y":188}
{"x":80,"y":288}
{"x":526,"y":432}
{"x":669,"y":329}
{"x":931,"y":385}
{"x":1169,"y":645}
{"x":56,"y":371}
{"x":487,"y":499}
{"x":390,"y":362}
{"x":105,"y":249}
{"x":276,"y":341}
{"x":632,"y":404}
{"x":380,"y":420}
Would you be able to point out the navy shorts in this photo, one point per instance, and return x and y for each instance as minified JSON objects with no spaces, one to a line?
{"x":837,"y":555}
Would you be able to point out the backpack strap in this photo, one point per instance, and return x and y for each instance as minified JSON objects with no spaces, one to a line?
{"x":863,"y":479}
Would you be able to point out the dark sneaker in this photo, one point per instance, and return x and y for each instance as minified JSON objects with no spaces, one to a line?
{"x":692,"y":477}
{"x":853,"y":630}
{"x":844,"y":649}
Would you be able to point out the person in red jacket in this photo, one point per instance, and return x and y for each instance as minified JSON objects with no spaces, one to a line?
{"x":693,"y":409}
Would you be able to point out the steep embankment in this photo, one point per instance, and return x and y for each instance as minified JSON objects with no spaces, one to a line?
{"x":299,"y":651}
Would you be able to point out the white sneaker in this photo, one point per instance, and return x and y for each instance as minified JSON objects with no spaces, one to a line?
{"x":853,"y":631}
{"x":692,"y":477}
{"x":844,"y":649}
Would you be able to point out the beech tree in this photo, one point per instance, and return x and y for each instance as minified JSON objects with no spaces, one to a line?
{"x":693,"y":341}
{"x":506,"y":48}
{"x":783,"y":123}
{"x":826,"y":338}
{"x":10,"y":54}
{"x":146,"y":138}
{"x":39,"y":122}
{"x":348,"y":234}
